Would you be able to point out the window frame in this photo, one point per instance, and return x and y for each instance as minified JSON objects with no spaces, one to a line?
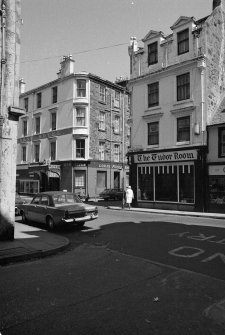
{"x":153,"y":134}
{"x":116,"y":99}
{"x":183,"y":41}
{"x":183,"y":86}
{"x":152,"y":53}
{"x":116,"y":152}
{"x":101,"y":150}
{"x":80,"y":148}
{"x":81,"y":117}
{"x":81,"y":88}
{"x":37,"y":125}
{"x":37,"y":157}
{"x":102,"y":121}
{"x":153,"y":94}
{"x":24,"y":153}
{"x":25,"y":128}
{"x":53,"y":121}
{"x":102,"y":93}
{"x":221,"y":130}
{"x":116,"y":124}
{"x":180,"y":133}
{"x":52,"y":157}
{"x":39,"y":99}
{"x":26,"y":104}
{"x":54,"y":94}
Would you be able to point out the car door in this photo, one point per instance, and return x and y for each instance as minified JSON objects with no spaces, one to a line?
{"x":42,"y":208}
{"x":32,"y":208}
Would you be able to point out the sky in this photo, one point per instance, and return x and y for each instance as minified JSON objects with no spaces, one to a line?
{"x":95,"y":32}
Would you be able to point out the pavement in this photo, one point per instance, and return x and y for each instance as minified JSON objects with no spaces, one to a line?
{"x":31,"y":242}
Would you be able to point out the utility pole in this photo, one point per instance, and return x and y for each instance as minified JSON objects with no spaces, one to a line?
{"x":10,"y":22}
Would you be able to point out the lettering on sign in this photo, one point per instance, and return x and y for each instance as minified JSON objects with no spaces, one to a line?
{"x":192,"y":252}
{"x":166,"y":157}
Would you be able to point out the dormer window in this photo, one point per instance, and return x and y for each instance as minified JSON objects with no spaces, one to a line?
{"x":153,"y":53}
{"x":183,"y":41}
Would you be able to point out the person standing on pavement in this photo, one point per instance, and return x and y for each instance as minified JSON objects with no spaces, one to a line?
{"x":129,"y":196}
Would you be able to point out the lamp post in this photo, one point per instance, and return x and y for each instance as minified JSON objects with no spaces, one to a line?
{"x":123,"y":149}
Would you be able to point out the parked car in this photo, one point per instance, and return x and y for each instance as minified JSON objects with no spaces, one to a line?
{"x":114,"y":194}
{"x":18,"y":201}
{"x":56,"y":208}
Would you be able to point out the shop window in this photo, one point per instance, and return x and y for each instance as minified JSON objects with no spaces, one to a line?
{"x":153,"y":53}
{"x":166,"y":184}
{"x":80,"y":177}
{"x":29,"y":186}
{"x":217,"y":190}
{"x":153,"y":94}
{"x":153,"y":133}
{"x":80,"y":148}
{"x":183,"y":41}
{"x":183,"y":129}
{"x":81,"y":88}
{"x":186,"y":183}
{"x":145,"y":183}
{"x":221,"y":142}
{"x":183,"y":87}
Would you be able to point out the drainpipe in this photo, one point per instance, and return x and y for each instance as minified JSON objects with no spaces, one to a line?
{"x":3,"y":59}
{"x":202,"y":65}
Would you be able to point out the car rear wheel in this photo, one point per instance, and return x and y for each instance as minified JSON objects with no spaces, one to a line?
{"x":50,"y":223}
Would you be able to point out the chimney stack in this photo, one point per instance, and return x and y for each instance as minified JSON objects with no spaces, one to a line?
{"x":67,"y":66}
{"x":22,"y":86}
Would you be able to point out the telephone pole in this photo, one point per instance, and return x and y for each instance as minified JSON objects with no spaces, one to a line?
{"x":10,"y":22}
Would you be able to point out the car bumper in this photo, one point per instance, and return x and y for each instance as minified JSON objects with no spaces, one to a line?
{"x":82,"y":219}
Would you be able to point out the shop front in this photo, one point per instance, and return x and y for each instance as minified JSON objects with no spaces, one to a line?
{"x":216,"y":188}
{"x":34,"y":178}
{"x":169,"y":180}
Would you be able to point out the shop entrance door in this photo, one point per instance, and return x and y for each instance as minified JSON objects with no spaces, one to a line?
{"x":116,"y":180}
{"x":101,"y":181}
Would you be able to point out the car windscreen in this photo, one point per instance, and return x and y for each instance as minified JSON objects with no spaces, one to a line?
{"x":61,"y":199}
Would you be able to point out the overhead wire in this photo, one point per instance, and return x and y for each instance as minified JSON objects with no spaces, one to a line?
{"x":75,"y":53}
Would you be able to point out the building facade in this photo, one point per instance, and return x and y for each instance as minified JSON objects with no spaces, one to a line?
{"x":74,"y":135}
{"x":177,"y":87}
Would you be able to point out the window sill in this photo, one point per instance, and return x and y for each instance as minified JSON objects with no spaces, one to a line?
{"x":101,"y":130}
{"x":183,"y":143}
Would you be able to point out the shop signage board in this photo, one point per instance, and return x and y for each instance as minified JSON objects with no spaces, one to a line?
{"x":217,"y":170}
{"x":163,"y":157}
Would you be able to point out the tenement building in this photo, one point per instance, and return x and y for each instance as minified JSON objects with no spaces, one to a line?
{"x":177,"y":82}
{"x":74,"y":135}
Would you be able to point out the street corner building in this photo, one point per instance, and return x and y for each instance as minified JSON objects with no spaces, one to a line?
{"x":74,"y":135}
{"x":177,"y":85}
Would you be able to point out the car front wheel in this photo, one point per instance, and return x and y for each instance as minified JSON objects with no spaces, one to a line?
{"x":24,"y":219}
{"x":50,"y":223}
